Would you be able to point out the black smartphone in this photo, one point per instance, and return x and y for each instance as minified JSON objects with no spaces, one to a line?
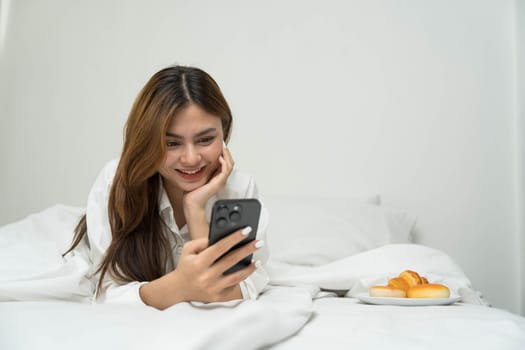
{"x":230,"y":215}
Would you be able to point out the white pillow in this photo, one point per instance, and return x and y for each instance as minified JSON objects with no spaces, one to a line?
{"x":316,"y":231}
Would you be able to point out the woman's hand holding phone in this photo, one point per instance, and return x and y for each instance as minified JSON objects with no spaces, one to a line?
{"x":200,"y":274}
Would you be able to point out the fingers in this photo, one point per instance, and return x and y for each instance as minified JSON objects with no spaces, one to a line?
{"x":229,"y":281}
{"x":195,"y":246}
{"x":216,"y":250}
{"x":224,"y":170}
{"x":235,"y":256}
{"x":203,"y":274}
{"x":226,"y":160}
{"x":220,"y":176}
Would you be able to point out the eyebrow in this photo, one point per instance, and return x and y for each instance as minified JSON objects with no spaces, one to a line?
{"x":200,"y":133}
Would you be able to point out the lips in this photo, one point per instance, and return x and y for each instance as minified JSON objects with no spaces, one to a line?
{"x":191,"y":174}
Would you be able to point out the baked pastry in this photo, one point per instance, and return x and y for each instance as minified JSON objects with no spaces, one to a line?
{"x":386,"y":292}
{"x":430,"y":290}
{"x":398,"y":283}
{"x":410,"y":284}
{"x":412,"y":278}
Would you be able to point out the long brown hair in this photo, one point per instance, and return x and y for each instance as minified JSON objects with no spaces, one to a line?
{"x":139,"y":249}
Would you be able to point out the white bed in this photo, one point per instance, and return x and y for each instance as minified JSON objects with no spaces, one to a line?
{"x":344,"y":323}
{"x":325,"y":254}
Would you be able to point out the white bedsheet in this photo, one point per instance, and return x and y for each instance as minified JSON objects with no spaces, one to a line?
{"x":356,"y":273}
{"x":45,"y":303}
{"x":31,"y":263}
{"x":61,"y":325}
{"x":344,"y":323}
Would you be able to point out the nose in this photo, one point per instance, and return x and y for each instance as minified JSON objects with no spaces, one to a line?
{"x":190,"y":156}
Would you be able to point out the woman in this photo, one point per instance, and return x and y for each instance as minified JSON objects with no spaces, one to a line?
{"x":147,"y":215}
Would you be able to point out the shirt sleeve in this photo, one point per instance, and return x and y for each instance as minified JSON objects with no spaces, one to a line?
{"x":99,"y":238}
{"x":252,"y":286}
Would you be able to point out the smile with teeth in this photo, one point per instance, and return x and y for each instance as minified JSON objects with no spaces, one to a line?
{"x":190,"y":172}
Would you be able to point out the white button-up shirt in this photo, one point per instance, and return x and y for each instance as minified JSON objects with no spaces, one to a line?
{"x":239,"y":185}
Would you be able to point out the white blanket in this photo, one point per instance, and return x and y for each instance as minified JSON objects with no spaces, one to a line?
{"x":51,"y":288}
{"x":235,"y":325}
{"x":31,"y":263}
{"x":57,"y":313}
{"x":344,"y":323}
{"x":356,"y":273}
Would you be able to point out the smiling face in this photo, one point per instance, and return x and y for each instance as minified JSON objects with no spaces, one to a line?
{"x":194,"y":143}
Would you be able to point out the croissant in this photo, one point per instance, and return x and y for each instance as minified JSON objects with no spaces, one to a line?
{"x":412,"y":278}
{"x":398,"y":283}
{"x":410,"y":284}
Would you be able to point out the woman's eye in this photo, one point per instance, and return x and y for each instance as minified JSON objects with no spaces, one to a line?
{"x":172,"y":144}
{"x":206,"y":140}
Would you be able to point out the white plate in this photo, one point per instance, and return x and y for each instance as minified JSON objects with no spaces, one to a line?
{"x":407,"y":301}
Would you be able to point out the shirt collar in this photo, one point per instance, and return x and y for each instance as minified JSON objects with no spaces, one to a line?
{"x":164,"y":201}
{"x":166,"y":211}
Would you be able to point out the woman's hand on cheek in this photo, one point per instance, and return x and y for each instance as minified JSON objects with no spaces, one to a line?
{"x":200,"y":274}
{"x":199,"y":197}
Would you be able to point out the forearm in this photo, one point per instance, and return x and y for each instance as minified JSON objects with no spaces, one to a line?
{"x":163,"y":292}
{"x":196,"y":221}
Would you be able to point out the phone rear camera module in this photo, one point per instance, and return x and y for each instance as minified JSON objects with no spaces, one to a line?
{"x":223,"y":210}
{"x":235,"y":216}
{"x":221,"y":222}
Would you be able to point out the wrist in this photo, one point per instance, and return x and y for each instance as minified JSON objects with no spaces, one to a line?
{"x":189,"y":205}
{"x":193,"y":211}
{"x":163,"y":292}
{"x":177,"y":288}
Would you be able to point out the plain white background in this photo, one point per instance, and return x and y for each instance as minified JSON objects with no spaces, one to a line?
{"x":419,"y":101}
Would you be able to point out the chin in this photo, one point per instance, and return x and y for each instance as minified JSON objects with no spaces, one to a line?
{"x":192,"y":186}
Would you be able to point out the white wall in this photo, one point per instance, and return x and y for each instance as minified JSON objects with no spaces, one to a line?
{"x":411,"y":99}
{"x":520,"y":135}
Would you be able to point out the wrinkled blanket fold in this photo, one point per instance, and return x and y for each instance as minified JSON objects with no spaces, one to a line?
{"x":355,"y":274}
{"x":33,"y":270}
